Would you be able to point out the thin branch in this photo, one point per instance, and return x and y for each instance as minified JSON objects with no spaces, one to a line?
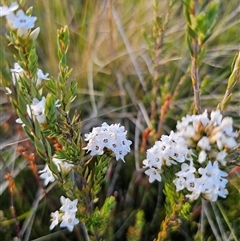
{"x":195,"y":77}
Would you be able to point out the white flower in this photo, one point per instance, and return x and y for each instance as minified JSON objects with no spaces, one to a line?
{"x":204,"y":143}
{"x":112,"y":137}
{"x":202,"y":156}
{"x":41,"y":76}
{"x":212,"y":170}
{"x":17,"y":72}
{"x":221,"y":157}
{"x":179,"y":183}
{"x":4,"y":10}
{"x":216,"y":117}
{"x":186,"y":169}
{"x":21,"y":22}
{"x":153,"y":175}
{"x":68,"y":206}
{"x":62,"y":164}
{"x":46,"y":175}
{"x":154,"y":157}
{"x":37,"y":109}
{"x":213,"y":181}
{"x":226,"y":127}
{"x":55,"y":217}
{"x":69,"y":221}
{"x":193,"y":185}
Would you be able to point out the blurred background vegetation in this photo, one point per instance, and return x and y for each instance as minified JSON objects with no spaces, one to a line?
{"x":112,"y":64}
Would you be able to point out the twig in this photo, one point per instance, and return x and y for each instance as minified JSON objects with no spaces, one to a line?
{"x":210,"y":221}
{"x":195,"y":77}
{"x":85,"y":233}
{"x":158,"y":34}
{"x":194,"y":70}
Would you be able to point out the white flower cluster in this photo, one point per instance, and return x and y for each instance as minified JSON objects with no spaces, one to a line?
{"x":169,"y":150}
{"x":210,"y":139}
{"x":66,"y":215}
{"x":210,"y":185}
{"x":19,"y":21}
{"x":112,"y":137}
{"x":62,"y":166}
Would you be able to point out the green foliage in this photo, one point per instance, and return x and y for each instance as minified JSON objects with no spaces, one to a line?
{"x":134,"y":232}
{"x":100,"y":169}
{"x":99,"y":221}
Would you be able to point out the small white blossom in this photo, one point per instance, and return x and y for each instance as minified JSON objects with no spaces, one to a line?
{"x":221,"y":157}
{"x":68,"y":206}
{"x":5,"y":10}
{"x":55,"y":217}
{"x":202,"y":156}
{"x":213,"y":181}
{"x":41,"y":76}
{"x":37,"y":109}
{"x":21,"y":22}
{"x":186,"y":169}
{"x":112,"y":137}
{"x":216,"y":117}
{"x":204,"y":143}
{"x":153,"y":175}
{"x":46,"y":175}
{"x":180,"y":183}
{"x":62,"y":164}
{"x":17,"y":72}
{"x":69,"y":221}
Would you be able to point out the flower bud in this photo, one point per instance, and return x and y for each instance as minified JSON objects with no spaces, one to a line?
{"x":34,"y":34}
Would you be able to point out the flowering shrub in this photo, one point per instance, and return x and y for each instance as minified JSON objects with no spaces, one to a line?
{"x":192,"y":161}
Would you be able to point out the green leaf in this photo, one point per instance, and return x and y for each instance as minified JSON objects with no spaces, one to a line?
{"x":226,"y":102}
{"x":39,"y":147}
{"x":191,"y":33}
{"x":50,"y":109}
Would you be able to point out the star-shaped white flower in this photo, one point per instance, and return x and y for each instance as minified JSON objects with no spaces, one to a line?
{"x":21,"y":22}
{"x":41,"y":76}
{"x":153,"y":175}
{"x":46,"y":175}
{"x":62,"y":164}
{"x":17,"y":72}
{"x":5,"y":10}
{"x":69,"y":221}
{"x":68,"y":206}
{"x":37,"y":108}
